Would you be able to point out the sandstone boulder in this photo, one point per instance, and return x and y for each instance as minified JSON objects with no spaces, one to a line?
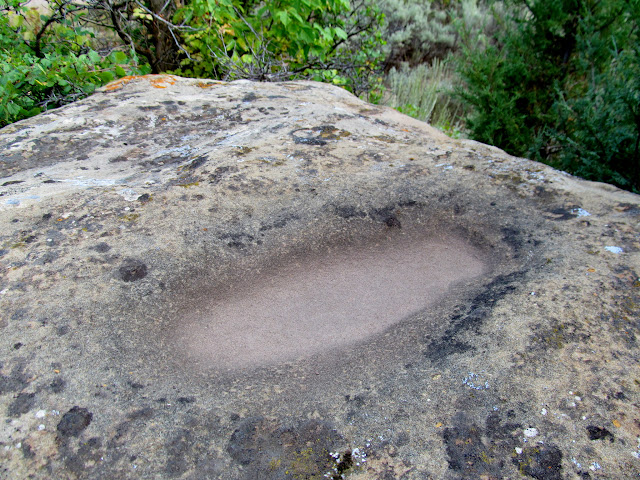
{"x":239,"y":280}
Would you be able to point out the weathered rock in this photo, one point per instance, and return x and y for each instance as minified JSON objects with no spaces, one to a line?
{"x":163,"y":246}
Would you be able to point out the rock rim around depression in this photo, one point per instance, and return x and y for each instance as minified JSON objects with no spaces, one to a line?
{"x":141,"y":222}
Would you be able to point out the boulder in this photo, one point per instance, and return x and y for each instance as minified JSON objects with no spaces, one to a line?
{"x":240,"y":280}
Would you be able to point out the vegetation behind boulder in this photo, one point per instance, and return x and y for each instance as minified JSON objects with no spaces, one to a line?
{"x":560,"y":82}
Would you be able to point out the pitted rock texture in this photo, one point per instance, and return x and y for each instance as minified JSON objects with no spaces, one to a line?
{"x":124,"y":215}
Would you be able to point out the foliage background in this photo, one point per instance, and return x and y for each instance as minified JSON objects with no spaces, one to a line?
{"x":554,"y":80}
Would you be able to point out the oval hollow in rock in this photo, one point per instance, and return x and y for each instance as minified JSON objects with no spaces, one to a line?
{"x":313,"y":303}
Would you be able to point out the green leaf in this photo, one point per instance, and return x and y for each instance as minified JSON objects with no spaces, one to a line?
{"x":106,"y":76}
{"x":119,"y":57}
{"x":283,"y":16}
{"x":340,"y":33}
{"x":94,"y":56}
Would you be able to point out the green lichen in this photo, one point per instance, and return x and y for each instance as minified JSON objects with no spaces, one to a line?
{"x":189,"y":185}
{"x":130,"y":217}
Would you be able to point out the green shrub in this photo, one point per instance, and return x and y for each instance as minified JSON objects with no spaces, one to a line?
{"x":325,"y":40}
{"x":558,"y":81}
{"x":46,"y":60}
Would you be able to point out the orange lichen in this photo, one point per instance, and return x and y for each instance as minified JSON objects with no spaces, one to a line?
{"x":156,"y":81}
{"x":205,"y":84}
{"x":121,"y":82}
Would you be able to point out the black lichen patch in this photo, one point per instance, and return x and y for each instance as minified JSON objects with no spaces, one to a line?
{"x":271,"y":450}
{"x":88,"y":455}
{"x":348,"y":211}
{"x":542,"y":462}
{"x":74,"y":422}
{"x":132,"y":270}
{"x":147,"y":108}
{"x":629,"y":208}
{"x":277,"y":223}
{"x":196,"y":162}
{"x":101,"y":247}
{"x":21,"y":404}
{"x":57,"y":385}
{"x":599,"y":433}
{"x":133,"y":425}
{"x":476,"y":311}
{"x":178,"y":449}
{"x":16,"y":380}
{"x":250,"y":97}
{"x":563,"y":214}
{"x":220,"y":173}
{"x":237,"y":240}
{"x":476,"y":452}
{"x":387,"y":216}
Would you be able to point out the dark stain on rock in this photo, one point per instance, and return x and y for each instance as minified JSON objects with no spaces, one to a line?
{"x":271,"y":450}
{"x":16,"y":380}
{"x":132,"y":270}
{"x":476,"y":311}
{"x":348,"y":211}
{"x":74,"y":422}
{"x":250,"y":97}
{"x":563,"y":214}
{"x":101,"y":247}
{"x":57,"y":385}
{"x":237,"y":240}
{"x":513,"y":238}
{"x":476,"y":452}
{"x":629,"y":208}
{"x":392,"y":222}
{"x":21,"y":404}
{"x":196,"y":162}
{"x":129,"y":428}
{"x":387,"y":216}
{"x":221,"y":172}
{"x":279,"y":223}
{"x":599,"y":433}
{"x":27,"y":451}
{"x":178,"y":450}
{"x":87,"y":457}
{"x":542,"y":462}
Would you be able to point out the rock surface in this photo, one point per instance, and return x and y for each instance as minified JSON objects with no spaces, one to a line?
{"x":132,"y":220}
